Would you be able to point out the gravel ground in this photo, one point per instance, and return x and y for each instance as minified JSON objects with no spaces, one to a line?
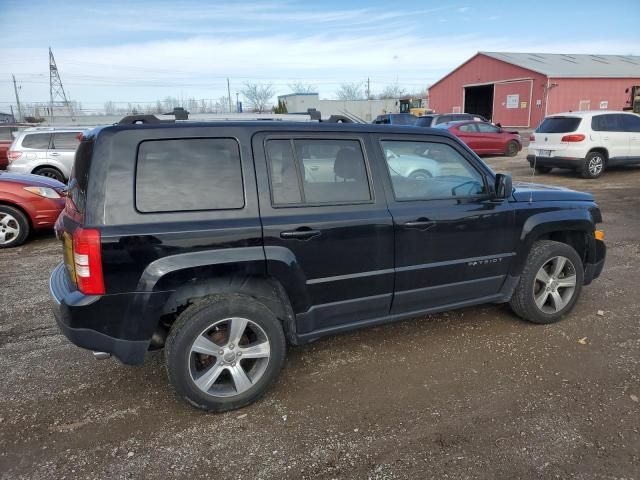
{"x":474,"y":393}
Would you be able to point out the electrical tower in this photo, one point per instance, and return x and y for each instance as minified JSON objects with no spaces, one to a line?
{"x":56,"y":90}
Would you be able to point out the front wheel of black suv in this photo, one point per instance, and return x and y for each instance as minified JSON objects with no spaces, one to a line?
{"x":224,"y":352}
{"x":550,"y":283}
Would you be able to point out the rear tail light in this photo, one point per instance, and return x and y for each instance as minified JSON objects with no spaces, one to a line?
{"x":12,"y":156}
{"x":87,"y":260}
{"x":532,"y":138}
{"x":576,"y":137}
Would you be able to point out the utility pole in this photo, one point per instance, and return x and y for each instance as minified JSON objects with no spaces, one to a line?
{"x":229,"y":95}
{"x":368,"y":88}
{"x":56,"y":90}
{"x":15,"y":89}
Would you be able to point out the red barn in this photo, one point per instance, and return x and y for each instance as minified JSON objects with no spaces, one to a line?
{"x":519,"y":89}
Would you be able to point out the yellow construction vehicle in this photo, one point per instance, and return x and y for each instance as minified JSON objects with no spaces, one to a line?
{"x":414,"y":106}
{"x":634,"y":99}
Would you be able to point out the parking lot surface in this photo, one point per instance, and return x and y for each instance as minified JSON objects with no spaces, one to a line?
{"x":473,"y":393}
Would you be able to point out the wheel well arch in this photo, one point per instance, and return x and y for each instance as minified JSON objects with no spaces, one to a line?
{"x":196,"y":286}
{"x":47,"y":165}
{"x":19,"y":208}
{"x":576,"y":239}
{"x":601,"y":150}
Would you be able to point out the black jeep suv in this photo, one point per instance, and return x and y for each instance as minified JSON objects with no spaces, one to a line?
{"x":223,"y":241}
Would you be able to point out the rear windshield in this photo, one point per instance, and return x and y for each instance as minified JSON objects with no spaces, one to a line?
{"x":559,"y":125}
{"x":79,"y":178}
{"x":424,"y":121}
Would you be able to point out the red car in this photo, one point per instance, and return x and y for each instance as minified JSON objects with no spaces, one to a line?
{"x":485,"y":138}
{"x":27,"y":202}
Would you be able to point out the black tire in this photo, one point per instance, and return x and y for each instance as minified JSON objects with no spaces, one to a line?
{"x":512,"y":149}
{"x":420,"y":175}
{"x":51,"y":172}
{"x":543,"y":170}
{"x":594,"y":165}
{"x":180,"y":361}
{"x":523,"y":301}
{"x":12,"y":219}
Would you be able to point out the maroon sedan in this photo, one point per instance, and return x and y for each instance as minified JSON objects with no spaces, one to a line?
{"x":485,"y":138}
{"x":27,"y":202}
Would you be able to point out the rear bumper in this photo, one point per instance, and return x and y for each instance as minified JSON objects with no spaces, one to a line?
{"x":594,"y":269}
{"x":120,"y":324}
{"x":559,"y":162}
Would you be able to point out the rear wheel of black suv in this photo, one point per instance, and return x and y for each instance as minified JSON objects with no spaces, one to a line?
{"x":550,"y":283}
{"x":224,"y":352}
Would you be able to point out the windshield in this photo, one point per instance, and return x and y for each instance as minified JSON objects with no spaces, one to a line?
{"x":559,"y":125}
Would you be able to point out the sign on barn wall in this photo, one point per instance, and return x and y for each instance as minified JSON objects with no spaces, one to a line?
{"x":512,"y":101}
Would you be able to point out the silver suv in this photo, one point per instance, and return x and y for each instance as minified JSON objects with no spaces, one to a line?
{"x":47,"y":151}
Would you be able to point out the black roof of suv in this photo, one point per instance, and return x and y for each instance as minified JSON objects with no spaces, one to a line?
{"x":223,"y":241}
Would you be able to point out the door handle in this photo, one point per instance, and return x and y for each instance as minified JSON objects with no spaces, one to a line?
{"x":420,"y":224}
{"x":302,"y":233}
{"x":54,"y":154}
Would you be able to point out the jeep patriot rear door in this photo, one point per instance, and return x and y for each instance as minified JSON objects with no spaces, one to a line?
{"x":328,"y":234}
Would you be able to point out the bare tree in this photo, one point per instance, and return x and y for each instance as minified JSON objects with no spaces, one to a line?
{"x":109,"y":108}
{"x":258,"y":95}
{"x":350,"y":91}
{"x":392,"y":91}
{"x":301,"y":87}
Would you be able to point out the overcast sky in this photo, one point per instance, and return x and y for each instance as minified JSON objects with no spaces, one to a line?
{"x":140,"y":51}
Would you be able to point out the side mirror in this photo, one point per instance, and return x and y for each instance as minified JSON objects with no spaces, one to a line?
{"x":504,"y":185}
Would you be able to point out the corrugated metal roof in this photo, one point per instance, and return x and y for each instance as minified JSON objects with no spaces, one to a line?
{"x":580,"y":65}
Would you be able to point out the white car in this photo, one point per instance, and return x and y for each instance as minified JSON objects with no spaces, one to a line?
{"x":47,"y":151}
{"x":587,"y":142}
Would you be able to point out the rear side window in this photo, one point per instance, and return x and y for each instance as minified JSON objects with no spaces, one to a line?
{"x":559,"y":125}
{"x":189,"y":174}
{"x":317,"y":172}
{"x":65,"y":141}
{"x":443,"y":119}
{"x":36,"y":140}
{"x":607,"y":123}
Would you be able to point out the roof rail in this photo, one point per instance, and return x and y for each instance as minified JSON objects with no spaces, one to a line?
{"x":133,"y":119}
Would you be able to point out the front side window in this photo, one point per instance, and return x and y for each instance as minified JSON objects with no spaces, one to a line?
{"x":429,"y":171}
{"x":317,"y":171}
{"x":631,"y":123}
{"x":487,"y":128}
{"x":469,"y":128}
{"x":38,"y":141}
{"x":189,"y":174}
{"x":65,"y":141}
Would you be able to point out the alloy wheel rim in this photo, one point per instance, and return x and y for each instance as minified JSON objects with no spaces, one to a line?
{"x":9,"y":228}
{"x":554,"y":285}
{"x":229,"y":357}
{"x":595,"y":165}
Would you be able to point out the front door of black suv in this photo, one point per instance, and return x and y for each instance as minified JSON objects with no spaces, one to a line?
{"x":328,"y":234}
{"x":453,"y":241}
